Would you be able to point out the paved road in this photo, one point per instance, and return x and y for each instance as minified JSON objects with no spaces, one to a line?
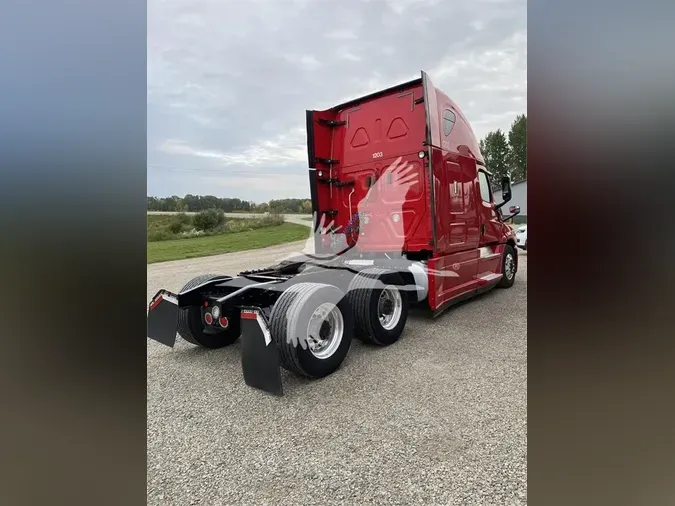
{"x":438,"y":418}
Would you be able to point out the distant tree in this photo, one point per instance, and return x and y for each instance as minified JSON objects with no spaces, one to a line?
{"x":192,"y":203}
{"x":286,"y":205}
{"x":495,"y":149}
{"x":197,"y":203}
{"x":179,"y":205}
{"x":210,"y":202}
{"x":518,"y":148}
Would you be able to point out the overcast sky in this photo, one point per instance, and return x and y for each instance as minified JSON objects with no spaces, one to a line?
{"x":229,"y":80}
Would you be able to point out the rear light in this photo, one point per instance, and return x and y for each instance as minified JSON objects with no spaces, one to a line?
{"x":208,"y":318}
{"x":422,"y":154}
{"x":155,"y":303}
{"x":224,"y":322}
{"x":216,"y":312}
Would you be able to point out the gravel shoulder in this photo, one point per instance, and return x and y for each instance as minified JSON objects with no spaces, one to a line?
{"x":438,"y":418}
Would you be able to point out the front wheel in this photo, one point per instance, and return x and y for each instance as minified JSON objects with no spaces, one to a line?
{"x":509,"y":267}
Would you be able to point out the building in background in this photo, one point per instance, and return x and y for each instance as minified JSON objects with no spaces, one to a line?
{"x":519,"y":198}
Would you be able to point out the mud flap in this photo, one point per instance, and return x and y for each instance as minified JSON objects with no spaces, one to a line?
{"x":163,"y":318}
{"x":259,"y":357}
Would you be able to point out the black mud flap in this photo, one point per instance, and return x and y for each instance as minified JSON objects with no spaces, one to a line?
{"x":163,"y":318}
{"x":259,"y":357}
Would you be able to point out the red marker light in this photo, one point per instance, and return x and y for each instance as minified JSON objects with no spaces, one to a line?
{"x":208,"y":318}
{"x":223,"y":322}
{"x":155,"y":303}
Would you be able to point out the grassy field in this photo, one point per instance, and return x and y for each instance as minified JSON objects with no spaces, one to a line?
{"x":162,"y":227}
{"x":158,"y":222}
{"x":177,"y":249}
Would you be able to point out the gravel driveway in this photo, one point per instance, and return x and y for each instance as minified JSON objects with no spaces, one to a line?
{"x":438,"y":418}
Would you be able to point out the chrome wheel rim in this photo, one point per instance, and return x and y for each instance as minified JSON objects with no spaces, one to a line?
{"x":509,"y":266}
{"x":390,"y":307}
{"x":325,"y":330}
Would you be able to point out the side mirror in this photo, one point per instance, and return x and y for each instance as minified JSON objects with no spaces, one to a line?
{"x":514,"y":210}
{"x":506,"y":191}
{"x":506,"y":188}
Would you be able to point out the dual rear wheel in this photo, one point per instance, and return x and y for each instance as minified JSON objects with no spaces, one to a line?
{"x":313,"y":323}
{"x":380,"y":306}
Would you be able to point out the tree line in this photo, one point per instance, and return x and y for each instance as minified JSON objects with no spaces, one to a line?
{"x":506,"y":154}
{"x":196,"y":203}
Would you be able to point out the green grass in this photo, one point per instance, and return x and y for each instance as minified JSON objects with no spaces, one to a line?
{"x":178,"y":249}
{"x":159,"y":221}
{"x":173,"y":227}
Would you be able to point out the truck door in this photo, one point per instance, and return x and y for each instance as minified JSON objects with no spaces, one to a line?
{"x":489,"y":257}
{"x":488,"y":218}
{"x":455,"y":264}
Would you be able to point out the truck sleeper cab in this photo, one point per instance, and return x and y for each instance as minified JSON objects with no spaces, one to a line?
{"x":399,"y":177}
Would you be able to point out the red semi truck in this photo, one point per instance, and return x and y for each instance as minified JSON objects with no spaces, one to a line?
{"x":404,"y":217}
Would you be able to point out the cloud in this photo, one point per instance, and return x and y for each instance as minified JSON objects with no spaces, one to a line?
{"x":342,"y":34}
{"x":229,"y":82}
{"x":282,"y":150}
{"x":281,"y":185}
{"x":305,"y":61}
{"x":346,"y":54}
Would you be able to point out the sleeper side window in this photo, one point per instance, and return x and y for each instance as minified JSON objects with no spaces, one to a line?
{"x":484,"y":187}
{"x":449,"y":119}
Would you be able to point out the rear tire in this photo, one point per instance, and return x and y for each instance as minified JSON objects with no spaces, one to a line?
{"x":292,"y":320}
{"x":509,"y":268}
{"x":192,"y":329}
{"x":375,"y":294}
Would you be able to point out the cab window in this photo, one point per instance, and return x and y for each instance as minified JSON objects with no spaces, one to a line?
{"x":484,"y":184}
{"x":448,"y":121}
